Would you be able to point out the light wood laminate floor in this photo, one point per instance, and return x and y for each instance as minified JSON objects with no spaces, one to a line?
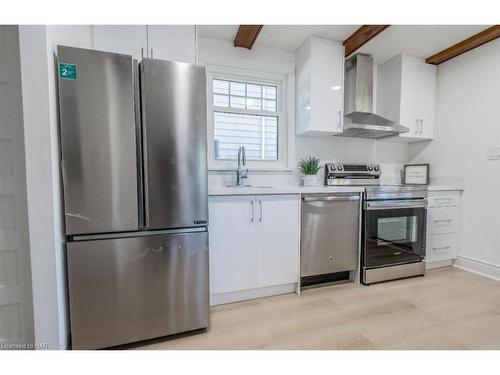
{"x":447,"y":309}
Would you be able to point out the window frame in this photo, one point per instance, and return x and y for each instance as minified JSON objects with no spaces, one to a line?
{"x":257,"y":77}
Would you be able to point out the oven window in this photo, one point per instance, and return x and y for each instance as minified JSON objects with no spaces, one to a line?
{"x":393,"y":236}
{"x":397,"y":229}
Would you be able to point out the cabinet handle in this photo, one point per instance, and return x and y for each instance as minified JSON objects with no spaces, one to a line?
{"x":142,"y":53}
{"x":443,"y":200}
{"x":253,"y":212}
{"x":441,"y":248}
{"x":152,"y":53}
{"x":421,"y":126}
{"x":339,"y":120}
{"x":260,"y":211}
{"x":442,"y":220}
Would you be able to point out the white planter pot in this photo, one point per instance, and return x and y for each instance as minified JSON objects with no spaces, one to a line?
{"x":310,"y":180}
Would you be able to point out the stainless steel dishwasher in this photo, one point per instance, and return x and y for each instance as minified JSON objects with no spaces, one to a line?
{"x":330,"y":235}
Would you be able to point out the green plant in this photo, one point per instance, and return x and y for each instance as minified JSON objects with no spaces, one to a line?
{"x":309,"y":166}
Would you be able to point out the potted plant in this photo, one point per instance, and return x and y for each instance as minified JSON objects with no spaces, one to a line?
{"x":309,"y":168}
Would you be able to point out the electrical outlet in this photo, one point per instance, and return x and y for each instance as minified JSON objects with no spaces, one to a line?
{"x":493,"y":153}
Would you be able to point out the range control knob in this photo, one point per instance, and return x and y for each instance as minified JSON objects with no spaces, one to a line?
{"x":377,"y":168}
{"x":340,"y":168}
{"x":332,"y":168}
{"x":370,"y":168}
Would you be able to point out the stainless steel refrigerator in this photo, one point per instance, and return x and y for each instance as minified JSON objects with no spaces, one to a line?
{"x":134,"y":171}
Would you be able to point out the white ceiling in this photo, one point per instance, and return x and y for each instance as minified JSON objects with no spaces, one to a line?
{"x":420,"y":41}
{"x":288,"y":37}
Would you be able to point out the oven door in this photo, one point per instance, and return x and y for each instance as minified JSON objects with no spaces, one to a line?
{"x":394,"y":232}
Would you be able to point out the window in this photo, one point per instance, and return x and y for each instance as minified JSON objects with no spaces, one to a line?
{"x":246,"y":110}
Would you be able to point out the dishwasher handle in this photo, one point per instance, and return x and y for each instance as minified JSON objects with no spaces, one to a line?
{"x":329,"y":198}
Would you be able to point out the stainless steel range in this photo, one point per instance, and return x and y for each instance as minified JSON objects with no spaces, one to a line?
{"x":394,"y":222}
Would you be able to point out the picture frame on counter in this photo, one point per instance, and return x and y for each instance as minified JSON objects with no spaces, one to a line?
{"x":416,"y":174}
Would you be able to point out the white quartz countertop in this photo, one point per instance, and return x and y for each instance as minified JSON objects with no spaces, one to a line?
{"x":261,"y":189}
{"x":258,"y":190}
{"x":433,"y":187}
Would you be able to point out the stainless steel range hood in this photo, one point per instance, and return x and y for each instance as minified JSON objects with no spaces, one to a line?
{"x":359,"y":119}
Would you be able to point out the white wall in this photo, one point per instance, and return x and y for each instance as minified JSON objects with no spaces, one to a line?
{"x":391,"y":155}
{"x":37,"y":46}
{"x":467,"y":123}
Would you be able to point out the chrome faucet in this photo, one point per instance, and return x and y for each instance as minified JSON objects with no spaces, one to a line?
{"x":242,"y":161}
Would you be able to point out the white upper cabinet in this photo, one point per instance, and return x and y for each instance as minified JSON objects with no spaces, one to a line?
{"x":406,"y":90}
{"x":428,"y":89}
{"x":175,"y":42}
{"x":319,"y":83}
{"x":126,"y":39}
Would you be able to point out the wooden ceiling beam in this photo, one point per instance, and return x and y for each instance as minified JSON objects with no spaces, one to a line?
{"x":361,"y":36}
{"x":247,"y":35}
{"x":474,"y":41}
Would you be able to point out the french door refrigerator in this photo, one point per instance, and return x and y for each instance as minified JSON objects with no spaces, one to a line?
{"x":134,"y":171}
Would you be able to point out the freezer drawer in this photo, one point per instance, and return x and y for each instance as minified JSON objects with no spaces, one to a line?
{"x":98,"y":142}
{"x":175,"y":144}
{"x":329,"y":233}
{"x":132,"y":289}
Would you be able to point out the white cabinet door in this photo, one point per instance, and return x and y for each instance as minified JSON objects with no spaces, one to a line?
{"x":427,"y":80}
{"x":126,"y":39}
{"x":232,"y":243}
{"x":406,"y":88}
{"x":410,"y":96}
{"x":277,"y":220}
{"x":327,"y":82}
{"x":174,"y":42}
{"x":319,"y":87}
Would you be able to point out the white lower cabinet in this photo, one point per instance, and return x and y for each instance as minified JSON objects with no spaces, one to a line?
{"x":254,"y":245}
{"x":232,"y":255}
{"x":277,"y":239}
{"x":442,"y":226}
{"x":442,"y":247}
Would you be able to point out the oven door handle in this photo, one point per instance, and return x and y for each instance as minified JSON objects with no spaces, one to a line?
{"x":388,"y":205}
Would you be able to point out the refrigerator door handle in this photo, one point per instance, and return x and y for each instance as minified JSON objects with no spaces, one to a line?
{"x":144,"y":144}
{"x":138,"y":142}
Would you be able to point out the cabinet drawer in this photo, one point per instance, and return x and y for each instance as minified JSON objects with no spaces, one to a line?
{"x":444,"y":199}
{"x":442,"y":220}
{"x":441,"y":247}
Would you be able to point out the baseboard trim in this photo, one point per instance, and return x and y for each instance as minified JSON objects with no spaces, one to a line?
{"x":485,"y":269}
{"x":244,"y":295}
